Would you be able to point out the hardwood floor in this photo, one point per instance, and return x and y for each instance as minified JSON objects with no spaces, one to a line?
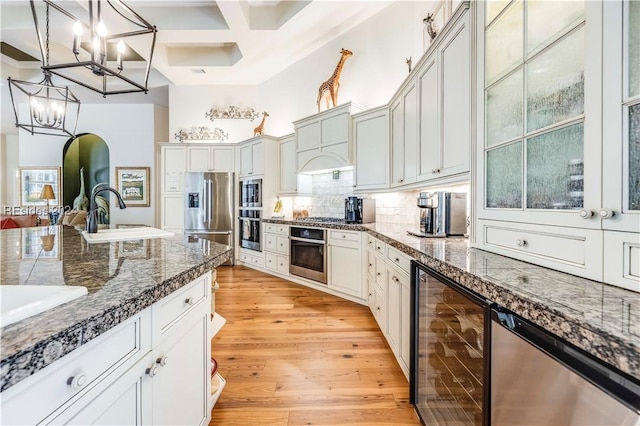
{"x":296,"y":356}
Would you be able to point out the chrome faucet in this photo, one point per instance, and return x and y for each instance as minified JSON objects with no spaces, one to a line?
{"x":92,"y":216}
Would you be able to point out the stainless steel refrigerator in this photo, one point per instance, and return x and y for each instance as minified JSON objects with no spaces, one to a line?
{"x":209,"y":206}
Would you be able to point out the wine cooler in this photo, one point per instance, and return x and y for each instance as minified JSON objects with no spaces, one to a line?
{"x":449,"y":328}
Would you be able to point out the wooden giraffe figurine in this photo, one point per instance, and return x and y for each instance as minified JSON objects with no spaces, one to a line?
{"x":259,"y":130}
{"x":329,"y":89}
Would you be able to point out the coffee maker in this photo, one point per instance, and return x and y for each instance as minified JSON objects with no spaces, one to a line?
{"x":442,"y":214}
{"x":359,"y":210}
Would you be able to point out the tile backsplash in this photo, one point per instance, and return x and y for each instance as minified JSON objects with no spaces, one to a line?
{"x":391,"y":207}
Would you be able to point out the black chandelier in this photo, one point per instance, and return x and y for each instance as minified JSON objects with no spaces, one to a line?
{"x":53,"y":110}
{"x":103,"y":41}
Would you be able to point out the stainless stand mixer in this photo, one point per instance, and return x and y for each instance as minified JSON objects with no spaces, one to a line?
{"x":441,"y":214}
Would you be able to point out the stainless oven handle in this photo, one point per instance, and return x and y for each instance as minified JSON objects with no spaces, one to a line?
{"x":306,"y":240}
{"x":249,"y":218}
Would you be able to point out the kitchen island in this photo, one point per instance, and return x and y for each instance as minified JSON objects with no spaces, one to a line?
{"x":123,"y":279}
{"x":601,"y":319}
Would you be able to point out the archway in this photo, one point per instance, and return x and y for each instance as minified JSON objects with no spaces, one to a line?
{"x":88,"y":151}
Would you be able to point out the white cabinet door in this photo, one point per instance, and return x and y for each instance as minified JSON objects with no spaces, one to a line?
{"x":246,"y":160}
{"x":397,"y":143}
{"x":198,"y":159}
{"x":180,"y":391}
{"x":288,"y":166}
{"x":456,"y":100}
{"x":371,"y":134}
{"x":126,"y":401}
{"x":394,"y":311}
{"x":222,"y":159}
{"x":172,"y":168}
{"x":410,"y":99}
{"x":429,"y":120}
{"x":405,"y":323}
{"x":252,"y":159}
{"x":345,"y":272}
{"x":173,"y":213}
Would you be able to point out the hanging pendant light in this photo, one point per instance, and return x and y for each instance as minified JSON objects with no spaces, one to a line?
{"x":104,"y":39}
{"x":53,"y":110}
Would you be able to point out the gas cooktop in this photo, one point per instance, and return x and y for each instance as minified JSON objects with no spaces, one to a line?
{"x":319,"y":219}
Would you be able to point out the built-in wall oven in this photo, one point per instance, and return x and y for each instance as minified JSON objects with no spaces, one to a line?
{"x":249,"y":230}
{"x":250,"y":193}
{"x":307,"y":256}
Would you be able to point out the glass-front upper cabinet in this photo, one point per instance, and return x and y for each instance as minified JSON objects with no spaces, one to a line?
{"x":621,"y":116}
{"x":539,"y":80}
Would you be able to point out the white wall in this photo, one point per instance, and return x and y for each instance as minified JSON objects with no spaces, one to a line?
{"x":129,"y":132}
{"x":370,"y":77}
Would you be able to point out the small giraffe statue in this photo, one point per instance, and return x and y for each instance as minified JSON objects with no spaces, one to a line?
{"x":260,"y":129}
{"x":329,"y":89}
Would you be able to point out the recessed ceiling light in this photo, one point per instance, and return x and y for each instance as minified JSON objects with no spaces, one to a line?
{"x":198,"y":71}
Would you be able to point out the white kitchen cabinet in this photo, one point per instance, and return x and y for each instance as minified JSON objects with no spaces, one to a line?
{"x":371,"y":135}
{"x":210,"y":158}
{"x":445,"y":103}
{"x":323,"y":140}
{"x":252,"y":156}
{"x":80,"y":376}
{"x":291,"y":182}
{"x":251,"y":258}
{"x":172,"y":217}
{"x":399,"y":315}
{"x":344,"y":250}
{"x":404,"y":136}
{"x":172,"y":167}
{"x":276,"y":247}
{"x":563,"y":154}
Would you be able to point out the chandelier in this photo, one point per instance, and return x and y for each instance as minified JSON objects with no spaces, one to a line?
{"x":51,"y":108}
{"x":102,"y":42}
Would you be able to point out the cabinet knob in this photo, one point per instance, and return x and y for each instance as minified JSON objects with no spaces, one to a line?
{"x":378,"y":273}
{"x":344,"y":236}
{"x":606,"y":213}
{"x":189,"y":301}
{"x":77,"y":382}
{"x":521,"y":243}
{"x":401,"y":180}
{"x":394,"y":279}
{"x":586,"y":214}
{"x":397,"y":260}
{"x":162,"y":361}
{"x":370,"y":265}
{"x":152,"y":371}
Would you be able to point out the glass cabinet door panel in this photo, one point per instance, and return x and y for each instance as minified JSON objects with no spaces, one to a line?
{"x":555,"y":170}
{"x":493,"y":9}
{"x":504,"y":176}
{"x":504,"y":109}
{"x":634,"y":157}
{"x":634,"y":47}
{"x":547,"y":19}
{"x":504,"y":42}
{"x":555,"y":83}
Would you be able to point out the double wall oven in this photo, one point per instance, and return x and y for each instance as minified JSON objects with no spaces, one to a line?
{"x":307,"y":255}
{"x":249,"y":213}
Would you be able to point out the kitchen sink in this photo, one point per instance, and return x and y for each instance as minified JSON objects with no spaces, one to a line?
{"x":18,"y":302}
{"x":123,"y":234}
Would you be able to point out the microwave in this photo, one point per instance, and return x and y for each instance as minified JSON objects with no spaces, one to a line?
{"x":251,"y":193}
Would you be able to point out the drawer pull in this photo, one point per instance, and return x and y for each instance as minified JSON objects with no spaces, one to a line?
{"x":162,"y":361}
{"x":397,"y":260}
{"x":77,"y":382}
{"x":521,"y":243}
{"x":189,"y":301}
{"x":370,"y":265}
{"x":344,"y":236}
{"x":395,"y":279}
{"x":378,"y":274}
{"x":152,"y":371}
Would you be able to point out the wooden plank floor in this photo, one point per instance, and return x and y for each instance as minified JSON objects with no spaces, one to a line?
{"x":296,"y":356}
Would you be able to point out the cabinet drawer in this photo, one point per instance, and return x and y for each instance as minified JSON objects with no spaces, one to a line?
{"x":380,"y":272}
{"x":270,"y":243}
{"x":282,"y":229}
{"x":283,"y":264}
{"x":282,"y":244}
{"x":77,"y":372}
{"x":271,"y":227}
{"x":371,"y":263}
{"x":173,"y":307}
{"x":257,"y":261}
{"x":399,"y":259}
{"x":271,"y":261}
{"x":347,"y":236}
{"x":572,"y":250}
{"x":371,"y":242}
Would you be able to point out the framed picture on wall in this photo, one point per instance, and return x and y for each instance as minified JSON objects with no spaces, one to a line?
{"x":32,"y":180}
{"x":133,"y":184}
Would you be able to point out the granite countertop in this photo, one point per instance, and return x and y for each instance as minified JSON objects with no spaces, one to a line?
{"x":122,"y":279}
{"x":601,"y":319}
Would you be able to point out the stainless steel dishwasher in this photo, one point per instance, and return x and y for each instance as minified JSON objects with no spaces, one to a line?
{"x":538,"y":379}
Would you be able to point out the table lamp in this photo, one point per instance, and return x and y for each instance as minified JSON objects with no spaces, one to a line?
{"x":47,"y":194}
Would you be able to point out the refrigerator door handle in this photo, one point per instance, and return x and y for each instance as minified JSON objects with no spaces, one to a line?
{"x":205,"y":203}
{"x":210,"y":196}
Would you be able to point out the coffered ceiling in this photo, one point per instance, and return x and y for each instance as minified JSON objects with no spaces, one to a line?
{"x":222,"y":42}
